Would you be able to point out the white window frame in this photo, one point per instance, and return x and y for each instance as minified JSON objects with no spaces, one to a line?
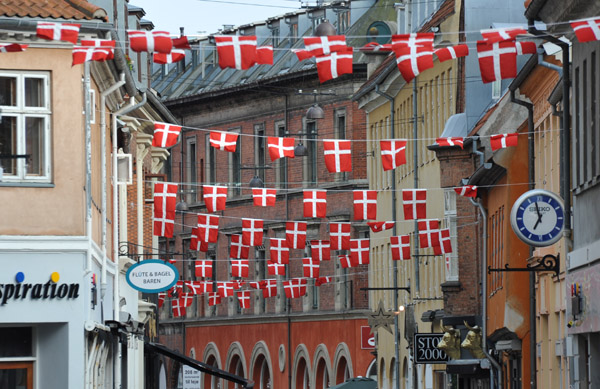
{"x":21,"y":112}
{"x":451,"y":259}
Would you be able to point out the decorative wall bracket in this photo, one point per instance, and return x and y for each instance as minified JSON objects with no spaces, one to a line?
{"x":546,"y":263}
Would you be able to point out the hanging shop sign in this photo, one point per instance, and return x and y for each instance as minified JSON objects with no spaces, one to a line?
{"x":367,"y":339}
{"x":152,"y":276}
{"x":426,"y":351}
{"x":537,"y":218}
{"x":51,"y":290}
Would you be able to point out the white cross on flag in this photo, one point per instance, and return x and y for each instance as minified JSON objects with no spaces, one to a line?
{"x":315,"y":203}
{"x":239,"y":268}
{"x":466,"y":191}
{"x":197,"y":287}
{"x":275,"y":269}
{"x":83,"y":54}
{"x":414,"y":203}
{"x":346,"y":261}
{"x":449,"y":142}
{"x":264,"y":197}
{"x":238,"y":52}
{"x":315,"y":46}
{"x":244,"y":299}
{"x":497,"y":61}
{"x":252,"y":232}
{"x":494,"y":35}
{"x":203,"y":268}
{"x":400,"y":247}
{"x":428,"y":233}
{"x":339,"y":235}
{"x":280,"y":147}
{"x":264,"y":55}
{"x":333,"y":65}
{"x":269,"y":287}
{"x":178,"y":307}
{"x":359,"y":251}
{"x":311,"y":267}
{"x":393,"y":153}
{"x":445,"y":243}
{"x":208,"y":228}
{"x":12,"y":47}
{"x":323,"y":280}
{"x":295,"y":288}
{"x":238,"y":250}
{"x":451,"y":52}
{"x":279,"y":252}
{"x":98,"y":43}
{"x":295,"y":234}
{"x":320,"y":250}
{"x":526,"y":48}
{"x":195,"y":243}
{"x":365,"y":204}
{"x":380,"y":226}
{"x":68,"y":32}
{"x":225,"y":288}
{"x":225,"y":141}
{"x":186,"y":299}
{"x":255,"y":284}
{"x":215,"y":197}
{"x":165,"y":196}
{"x":165,"y":135}
{"x":420,"y":39}
{"x":214,"y":298}
{"x":587,"y":30}
{"x":175,"y":55}
{"x":412,"y":60}
{"x":501,"y":141}
{"x":161,"y":299}
{"x":150,"y":41}
{"x":338,"y":155}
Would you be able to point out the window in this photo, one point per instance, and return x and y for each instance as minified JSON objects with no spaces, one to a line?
{"x":25,"y":126}
{"x":496,"y":248}
{"x":192,"y":173}
{"x":275,"y":34}
{"x":343,"y":21}
{"x":451,"y":259}
{"x":496,"y":89}
{"x":310,"y":167}
{"x":260,"y":274}
{"x":212,"y":256}
{"x":282,"y":162}
{"x":17,"y":343}
{"x":293,"y":22}
{"x":339,"y":126}
{"x":235,"y":168}
{"x":211,"y":162}
{"x":259,"y":150}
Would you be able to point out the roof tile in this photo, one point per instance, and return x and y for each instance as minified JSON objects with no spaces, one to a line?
{"x":55,"y":9}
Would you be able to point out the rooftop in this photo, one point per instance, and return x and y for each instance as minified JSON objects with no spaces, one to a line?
{"x":53,"y":9}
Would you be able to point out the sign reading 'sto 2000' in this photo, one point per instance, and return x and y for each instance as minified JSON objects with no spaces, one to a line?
{"x":152,"y":276}
{"x":426,"y":350}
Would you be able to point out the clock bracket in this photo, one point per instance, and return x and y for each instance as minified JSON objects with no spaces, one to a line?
{"x":548,"y":262}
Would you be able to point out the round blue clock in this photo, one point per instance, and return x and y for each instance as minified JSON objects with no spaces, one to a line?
{"x":538,"y":217}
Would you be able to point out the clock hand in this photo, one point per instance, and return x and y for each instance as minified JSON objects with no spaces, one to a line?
{"x":539,"y":216}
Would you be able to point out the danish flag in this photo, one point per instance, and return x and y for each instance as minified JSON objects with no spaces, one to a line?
{"x":264,"y":197}
{"x":393,"y":153}
{"x":323,"y":280}
{"x":181,"y":43}
{"x":414,"y":203}
{"x":421,"y":39}
{"x":466,"y":191}
{"x":161,"y":298}
{"x":215,"y":197}
{"x":445,"y":243}
{"x":165,"y":135}
{"x":175,"y":55}
{"x":150,"y":41}
{"x":252,"y":232}
{"x":338,"y":156}
{"x":238,"y":52}
{"x":587,"y":30}
{"x":264,"y":55}
{"x":311,"y":267}
{"x":195,"y":243}
{"x":68,"y":32}
{"x":208,"y":228}
{"x":197,"y":287}
{"x":239,"y":268}
{"x":494,"y":35}
{"x":294,"y":288}
{"x":448,"y":142}
{"x":374,"y":46}
{"x":12,"y":47}
{"x":280,"y":147}
{"x":501,"y":141}
{"x":428,"y":233}
{"x":413,"y":60}
{"x":275,"y":269}
{"x":255,"y":284}
{"x":333,"y":65}
{"x":381,"y":226}
{"x":339,"y":235}
{"x":225,"y":288}
{"x":279,"y":252}
{"x":98,"y":43}
{"x":214,"y":298}
{"x":244,"y":299}
{"x":295,"y":234}
{"x":365,"y":204}
{"x":346,"y":261}
{"x":400,"y":247}
{"x":451,"y":52}
{"x":238,"y":250}
{"x":186,"y":299}
{"x":359,"y":251}
{"x":497,"y":60}
{"x":178,"y":308}
{"x":165,"y":196}
{"x":320,"y":250}
{"x":83,"y":54}
{"x":315,"y":203}
{"x":526,"y":48}
{"x":316,"y":46}
{"x":269,"y":287}
{"x":204,"y":268}
{"x":226,"y":141}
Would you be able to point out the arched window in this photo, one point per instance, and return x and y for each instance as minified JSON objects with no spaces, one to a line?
{"x":372,"y":370}
{"x":211,"y":381}
{"x":265,"y":375}
{"x":342,"y":371}
{"x":302,"y":375}
{"x":322,"y":376}
{"x":236,"y":367}
{"x":383,"y":374}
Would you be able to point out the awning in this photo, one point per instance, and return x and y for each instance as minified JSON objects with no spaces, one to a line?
{"x":203,"y":367}
{"x":357,"y":383}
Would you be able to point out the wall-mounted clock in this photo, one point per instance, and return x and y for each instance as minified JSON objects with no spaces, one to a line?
{"x":538,"y":217}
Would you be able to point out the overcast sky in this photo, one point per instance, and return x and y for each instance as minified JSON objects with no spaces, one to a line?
{"x":207,"y":16}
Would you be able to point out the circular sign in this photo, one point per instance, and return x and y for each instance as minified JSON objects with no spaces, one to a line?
{"x":537,"y":217}
{"x":152,"y":276}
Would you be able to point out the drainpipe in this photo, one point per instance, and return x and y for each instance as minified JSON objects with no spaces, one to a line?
{"x":397,"y":331}
{"x":88,"y":165}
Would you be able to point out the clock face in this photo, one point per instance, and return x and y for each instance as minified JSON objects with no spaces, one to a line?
{"x":537,"y":217}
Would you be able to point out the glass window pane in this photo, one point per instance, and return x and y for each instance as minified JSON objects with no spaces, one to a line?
{"x":13,"y":378}
{"x":8,"y":144}
{"x":34,"y":92}
{"x":34,"y":138}
{"x":16,"y":342}
{"x":8,"y":91}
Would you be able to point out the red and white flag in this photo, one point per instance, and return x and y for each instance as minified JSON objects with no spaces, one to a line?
{"x":365,"y":204}
{"x":359,"y":251}
{"x":208,"y":228}
{"x":175,"y":55}
{"x":323,"y":280}
{"x":165,"y":196}
{"x":278,"y":251}
{"x":164,"y":223}
{"x":448,"y":142}
{"x":451,"y":52}
{"x":197,"y":244}
{"x":269,"y":287}
{"x":414,"y":203}
{"x":275,"y":269}
{"x":346,"y":261}
{"x":226,"y":141}
{"x":502,"y":141}
{"x":380,"y":226}
{"x":104,"y":43}
{"x":161,"y":299}
{"x":320,"y":250}
{"x":214,"y":298}
{"x":197,"y":287}
{"x":295,"y":234}
{"x":413,"y":60}
{"x":165,"y":135}
{"x":264,"y":55}
{"x":252,"y":232}
{"x":68,"y":32}
{"x":333,"y":65}
{"x":526,"y":48}
{"x":393,"y":153}
{"x":311,"y":267}
{"x":419,"y":39}
{"x":587,"y":30}
{"x":494,"y":35}
{"x":315,"y":203}
{"x":215,"y":197}
{"x":339,"y":235}
{"x":338,"y":155}
{"x":374,"y":47}
{"x":12,"y":47}
{"x":203,"y":268}
{"x":315,"y":46}
{"x":264,"y":197}
{"x":280,"y":147}
{"x":238,"y":52}
{"x":150,"y":41}
{"x":400,"y":247}
{"x":187,"y":299}
{"x":83,"y":54}
{"x":466,"y":190}
{"x":244,"y":299}
{"x":225,"y":288}
{"x":497,"y":61}
{"x":238,"y":250}
{"x":255,"y":284}
{"x":178,"y":307}
{"x":429,"y":233}
{"x":295,"y":288}
{"x":240,"y":268}
{"x":445,"y":243}
{"x":181,"y":43}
